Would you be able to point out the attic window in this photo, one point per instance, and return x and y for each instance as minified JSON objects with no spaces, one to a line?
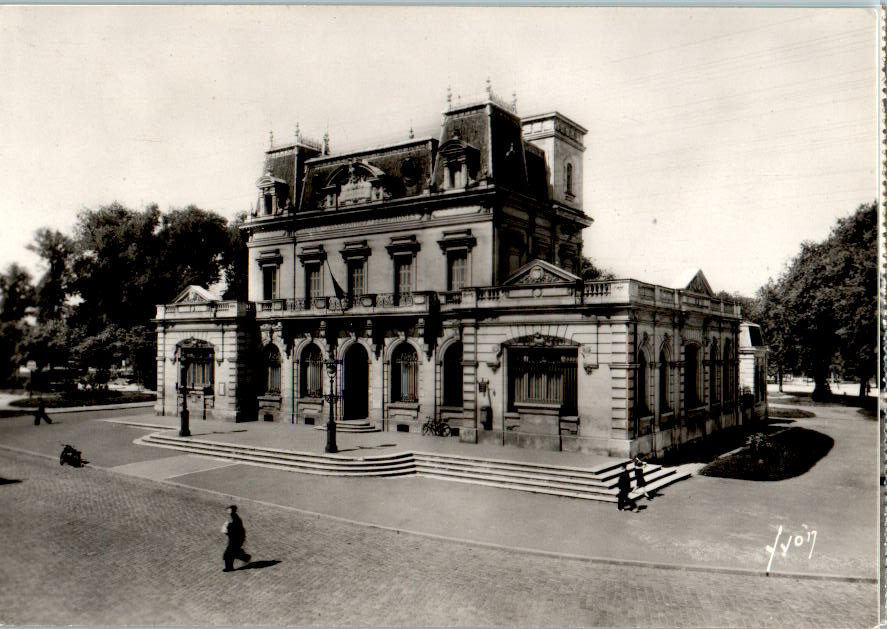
{"x":269,"y":204}
{"x":569,"y":179}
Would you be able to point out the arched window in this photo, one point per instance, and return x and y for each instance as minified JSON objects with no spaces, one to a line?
{"x":272,"y":370}
{"x":664,"y":382}
{"x":404,"y":374}
{"x":643,"y":408}
{"x":691,"y":376}
{"x":727,"y":385}
{"x":451,"y":368}
{"x":569,"y":179}
{"x":714,"y":370}
{"x":311,"y":372}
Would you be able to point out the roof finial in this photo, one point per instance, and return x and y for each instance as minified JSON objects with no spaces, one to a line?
{"x":514,"y":102}
{"x":326,"y":143}
{"x":489,"y":88}
{"x":412,"y":135}
{"x":271,"y":139}
{"x":449,"y":97}
{"x":298,"y":133}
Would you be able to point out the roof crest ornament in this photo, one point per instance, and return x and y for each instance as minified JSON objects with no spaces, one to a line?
{"x":449,"y":97}
{"x":271,"y":139}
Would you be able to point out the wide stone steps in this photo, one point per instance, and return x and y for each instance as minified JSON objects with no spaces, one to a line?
{"x":350,"y":425}
{"x":400,"y":464}
{"x":598,"y":483}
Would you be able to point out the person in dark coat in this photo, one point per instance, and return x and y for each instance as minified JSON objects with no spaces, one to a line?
{"x":40,"y":413}
{"x":624,"y":502}
{"x":639,"y":480}
{"x":236,"y":533}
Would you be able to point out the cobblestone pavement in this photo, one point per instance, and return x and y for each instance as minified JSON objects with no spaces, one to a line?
{"x":88,"y":546}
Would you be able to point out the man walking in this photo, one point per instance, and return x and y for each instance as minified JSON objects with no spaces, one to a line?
{"x":41,"y":413}
{"x":236,"y":533}
{"x":624,"y":502}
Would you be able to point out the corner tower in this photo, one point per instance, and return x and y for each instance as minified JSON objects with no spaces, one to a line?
{"x":562,"y":141}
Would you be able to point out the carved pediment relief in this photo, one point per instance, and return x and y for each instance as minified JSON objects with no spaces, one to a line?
{"x":354,"y":183}
{"x":541,"y":272}
{"x":195,"y":294}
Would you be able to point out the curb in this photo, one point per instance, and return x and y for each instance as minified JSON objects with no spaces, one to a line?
{"x":491,"y":545}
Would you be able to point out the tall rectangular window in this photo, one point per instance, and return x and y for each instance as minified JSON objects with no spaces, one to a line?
{"x":269,"y":277}
{"x":356,"y":278}
{"x":403,"y":275}
{"x":458,"y":270}
{"x":312,"y":281}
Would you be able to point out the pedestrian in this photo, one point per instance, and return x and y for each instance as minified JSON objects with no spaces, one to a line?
{"x":639,"y":480}
{"x":623,"y":500}
{"x":236,"y":533}
{"x":41,"y":413}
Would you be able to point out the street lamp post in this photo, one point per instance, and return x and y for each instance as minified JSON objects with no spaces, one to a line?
{"x":184,"y":428}
{"x":332,"y":397}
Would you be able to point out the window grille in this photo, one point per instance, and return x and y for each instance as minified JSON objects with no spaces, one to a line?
{"x":311,"y":372}
{"x":405,"y":375}
{"x":200,"y":371}
{"x":272,"y":370}
{"x":543,"y":376}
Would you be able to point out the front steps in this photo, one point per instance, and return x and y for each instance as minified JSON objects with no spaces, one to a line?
{"x":597,"y":483}
{"x":351,"y":425}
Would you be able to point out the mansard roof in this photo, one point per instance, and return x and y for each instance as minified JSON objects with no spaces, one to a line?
{"x":541,"y":272}
{"x":403,"y":170}
{"x":195,"y":294}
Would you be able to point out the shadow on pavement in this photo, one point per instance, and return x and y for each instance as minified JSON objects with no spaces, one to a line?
{"x":787,"y":454}
{"x":258,"y":565}
{"x":9,"y":481}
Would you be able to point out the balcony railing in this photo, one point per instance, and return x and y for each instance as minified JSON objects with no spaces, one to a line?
{"x":204,"y":309}
{"x":615,"y":292}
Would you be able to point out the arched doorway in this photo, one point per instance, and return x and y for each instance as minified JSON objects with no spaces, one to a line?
{"x":355,"y":383}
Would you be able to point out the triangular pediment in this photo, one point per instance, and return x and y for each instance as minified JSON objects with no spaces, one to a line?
{"x":699,"y":284}
{"x":195,"y":294}
{"x":541,"y":272}
{"x":268,"y":181}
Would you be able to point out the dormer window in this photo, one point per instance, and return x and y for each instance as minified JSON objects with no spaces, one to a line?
{"x":460,"y":163}
{"x":273,"y":195}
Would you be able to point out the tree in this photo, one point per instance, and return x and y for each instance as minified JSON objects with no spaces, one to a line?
{"x":57,"y":251}
{"x":114,"y":266}
{"x":590,"y":271}
{"x":234,"y":260}
{"x":192,"y":244}
{"x":16,"y":293}
{"x":829,"y":301}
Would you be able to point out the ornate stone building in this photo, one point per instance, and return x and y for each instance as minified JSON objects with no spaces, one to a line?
{"x":439,"y":278}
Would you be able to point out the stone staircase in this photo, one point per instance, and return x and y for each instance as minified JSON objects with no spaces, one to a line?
{"x":597,"y":483}
{"x":350,"y":425}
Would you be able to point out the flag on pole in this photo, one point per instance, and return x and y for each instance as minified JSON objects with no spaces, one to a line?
{"x":340,"y":294}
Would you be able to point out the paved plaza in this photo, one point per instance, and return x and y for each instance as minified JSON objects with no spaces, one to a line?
{"x":135,"y":538}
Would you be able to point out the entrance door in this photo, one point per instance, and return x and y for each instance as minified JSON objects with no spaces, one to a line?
{"x":356,"y":384}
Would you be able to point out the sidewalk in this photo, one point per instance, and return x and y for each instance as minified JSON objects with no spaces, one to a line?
{"x":702,"y":522}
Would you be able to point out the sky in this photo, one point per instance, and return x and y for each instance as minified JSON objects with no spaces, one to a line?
{"x":718,"y":138}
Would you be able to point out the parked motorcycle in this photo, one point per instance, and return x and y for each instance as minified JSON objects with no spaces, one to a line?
{"x":72,"y":456}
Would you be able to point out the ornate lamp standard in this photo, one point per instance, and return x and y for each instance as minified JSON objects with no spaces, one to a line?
{"x":331,"y":397}
{"x":184,"y":428}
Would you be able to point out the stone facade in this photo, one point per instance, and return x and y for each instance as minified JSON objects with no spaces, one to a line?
{"x":436,"y":278}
